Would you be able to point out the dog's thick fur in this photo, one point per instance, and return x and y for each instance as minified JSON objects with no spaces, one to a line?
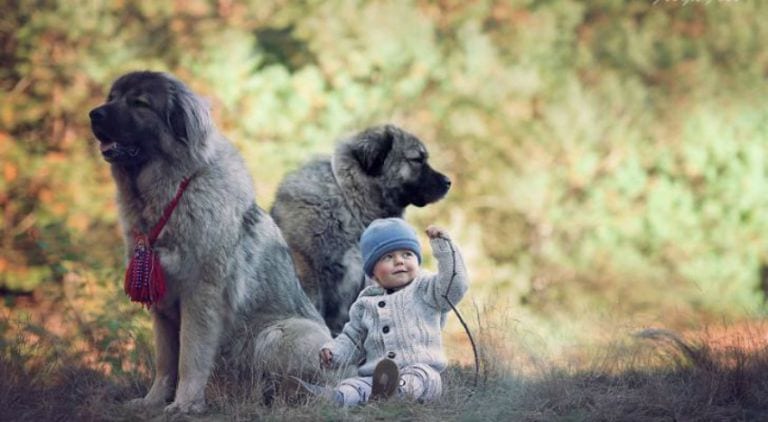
{"x":233,"y":301}
{"x":324,"y":206}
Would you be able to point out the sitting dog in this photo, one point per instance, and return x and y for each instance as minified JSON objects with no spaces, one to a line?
{"x":211,"y":266}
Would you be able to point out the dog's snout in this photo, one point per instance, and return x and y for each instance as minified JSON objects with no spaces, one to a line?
{"x":446,"y":181}
{"x":98,"y":114}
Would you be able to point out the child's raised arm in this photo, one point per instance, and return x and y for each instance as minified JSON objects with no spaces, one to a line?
{"x":451,"y":280}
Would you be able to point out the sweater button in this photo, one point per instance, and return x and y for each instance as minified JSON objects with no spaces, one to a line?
{"x":385,"y":330}
{"x":391,"y":355}
{"x":381,"y":304}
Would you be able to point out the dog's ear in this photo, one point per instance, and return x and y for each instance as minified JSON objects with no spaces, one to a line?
{"x":188,"y":115}
{"x":372,"y":147}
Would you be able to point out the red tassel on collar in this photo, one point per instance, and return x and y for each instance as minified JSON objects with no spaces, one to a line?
{"x":144,"y":277}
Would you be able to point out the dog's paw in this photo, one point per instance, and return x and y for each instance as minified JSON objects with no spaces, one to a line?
{"x":193,"y":407}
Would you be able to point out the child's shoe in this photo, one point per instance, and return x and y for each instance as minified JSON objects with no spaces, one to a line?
{"x":386,"y":377}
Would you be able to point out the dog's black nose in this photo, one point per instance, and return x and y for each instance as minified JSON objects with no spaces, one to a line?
{"x":97,"y":114}
{"x":446,"y":182}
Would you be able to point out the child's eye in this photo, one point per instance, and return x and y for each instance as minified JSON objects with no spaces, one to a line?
{"x":408,"y":254}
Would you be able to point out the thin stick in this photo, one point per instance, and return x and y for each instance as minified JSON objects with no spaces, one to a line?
{"x":458,"y":314}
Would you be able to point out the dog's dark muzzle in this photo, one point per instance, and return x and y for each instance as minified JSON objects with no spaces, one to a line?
{"x":442,"y":186}
{"x":445,"y":182}
{"x":434,"y":186}
{"x":112,"y":150}
{"x":98,"y":114}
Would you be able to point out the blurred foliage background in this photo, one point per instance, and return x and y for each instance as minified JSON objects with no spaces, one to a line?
{"x":606,"y":155}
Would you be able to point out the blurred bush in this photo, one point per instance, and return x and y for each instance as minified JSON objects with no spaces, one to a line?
{"x":604,"y":153}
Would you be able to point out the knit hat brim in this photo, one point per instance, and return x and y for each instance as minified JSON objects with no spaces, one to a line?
{"x":387,"y":247}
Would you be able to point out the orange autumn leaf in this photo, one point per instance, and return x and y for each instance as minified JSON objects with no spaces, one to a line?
{"x":46,"y":196}
{"x":78,"y":222}
{"x":10,"y":172}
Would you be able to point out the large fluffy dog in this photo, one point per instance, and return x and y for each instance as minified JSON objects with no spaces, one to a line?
{"x":233,"y":299}
{"x":323,"y":208}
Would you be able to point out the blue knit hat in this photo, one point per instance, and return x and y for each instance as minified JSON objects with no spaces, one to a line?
{"x":385,"y":235}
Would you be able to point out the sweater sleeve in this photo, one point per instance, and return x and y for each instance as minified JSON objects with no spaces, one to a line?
{"x":347,"y":347}
{"x":451,"y":280}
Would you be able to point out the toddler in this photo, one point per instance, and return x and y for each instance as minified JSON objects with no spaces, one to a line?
{"x":394,"y":330}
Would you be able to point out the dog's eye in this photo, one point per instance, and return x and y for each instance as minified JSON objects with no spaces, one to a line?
{"x":139,"y":102}
{"x":417,"y":160}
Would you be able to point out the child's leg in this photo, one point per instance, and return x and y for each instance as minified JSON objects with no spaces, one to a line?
{"x":355,"y":390}
{"x":420,"y":382}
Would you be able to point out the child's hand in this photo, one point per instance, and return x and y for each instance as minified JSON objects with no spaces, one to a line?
{"x":326,"y":357}
{"x":434,"y":232}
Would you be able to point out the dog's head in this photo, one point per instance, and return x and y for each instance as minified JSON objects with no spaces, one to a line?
{"x":148,"y":115}
{"x":399,"y":162}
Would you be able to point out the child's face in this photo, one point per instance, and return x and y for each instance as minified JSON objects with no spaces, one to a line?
{"x":396,"y":268}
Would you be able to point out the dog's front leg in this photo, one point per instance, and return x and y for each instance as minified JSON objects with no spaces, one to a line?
{"x":166,"y":331}
{"x":201,"y":327}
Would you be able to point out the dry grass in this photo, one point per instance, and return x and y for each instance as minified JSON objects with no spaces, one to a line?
{"x":716,"y":374}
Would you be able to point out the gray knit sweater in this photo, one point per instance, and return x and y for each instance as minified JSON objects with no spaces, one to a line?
{"x":405,"y":325}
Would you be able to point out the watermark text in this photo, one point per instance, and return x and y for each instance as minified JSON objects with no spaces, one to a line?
{"x":687,"y":2}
